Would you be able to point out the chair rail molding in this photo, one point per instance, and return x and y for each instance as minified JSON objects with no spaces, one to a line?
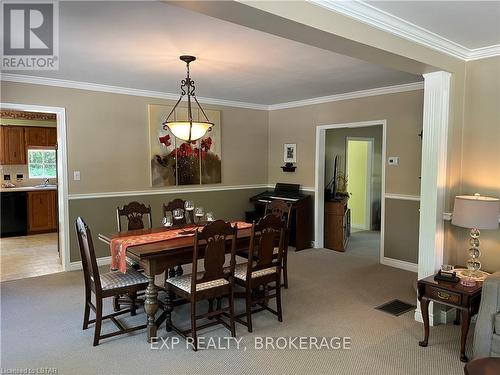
{"x":433,"y":183}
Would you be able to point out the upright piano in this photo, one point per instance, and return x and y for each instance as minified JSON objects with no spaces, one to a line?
{"x":301,"y":223}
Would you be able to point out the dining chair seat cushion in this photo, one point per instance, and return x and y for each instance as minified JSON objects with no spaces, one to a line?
{"x":240,"y":271}
{"x":117,"y":279}
{"x":184,"y":283}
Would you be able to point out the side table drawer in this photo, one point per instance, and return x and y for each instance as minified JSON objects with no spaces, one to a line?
{"x":444,"y":295}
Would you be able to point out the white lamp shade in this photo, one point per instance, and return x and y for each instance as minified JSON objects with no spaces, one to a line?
{"x":180,"y":129}
{"x":476,"y":212}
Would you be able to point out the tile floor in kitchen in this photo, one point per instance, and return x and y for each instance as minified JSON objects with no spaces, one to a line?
{"x":29,"y":256}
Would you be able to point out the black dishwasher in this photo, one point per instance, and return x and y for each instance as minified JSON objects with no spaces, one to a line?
{"x":14,"y":217}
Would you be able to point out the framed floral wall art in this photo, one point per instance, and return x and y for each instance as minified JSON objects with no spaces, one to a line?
{"x":175,"y":162}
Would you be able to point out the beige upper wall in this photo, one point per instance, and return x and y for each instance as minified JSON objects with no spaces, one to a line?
{"x":481,"y":153}
{"x":108,"y":141}
{"x":403,"y":112}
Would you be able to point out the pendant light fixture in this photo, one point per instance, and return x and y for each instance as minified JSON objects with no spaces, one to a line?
{"x":189,"y":130}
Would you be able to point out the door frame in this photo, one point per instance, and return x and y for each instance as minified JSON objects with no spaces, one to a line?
{"x":369,"y":178}
{"x":62,"y":174}
{"x":319,"y":182}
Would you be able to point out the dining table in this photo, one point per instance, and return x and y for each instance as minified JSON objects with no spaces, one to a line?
{"x":159,"y":257}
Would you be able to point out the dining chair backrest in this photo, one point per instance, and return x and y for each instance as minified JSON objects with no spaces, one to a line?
{"x":211,"y":241}
{"x":87,"y":253}
{"x":281,"y":209}
{"x":173,"y":205}
{"x":269,"y":231}
{"x":134,"y":212}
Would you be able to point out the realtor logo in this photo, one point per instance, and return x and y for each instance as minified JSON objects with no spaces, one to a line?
{"x":30,"y":35}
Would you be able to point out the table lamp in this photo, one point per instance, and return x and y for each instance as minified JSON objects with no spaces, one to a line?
{"x":475,"y":212}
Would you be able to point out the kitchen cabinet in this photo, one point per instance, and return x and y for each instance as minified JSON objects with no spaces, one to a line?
{"x":52,"y":137}
{"x":42,"y":211}
{"x":40,"y":137}
{"x":13,"y":145}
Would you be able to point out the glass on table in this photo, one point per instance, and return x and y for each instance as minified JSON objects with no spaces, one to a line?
{"x":199,"y":212}
{"x":189,"y":205}
{"x":178,"y":214}
{"x":210,"y":216}
{"x":168,"y":220}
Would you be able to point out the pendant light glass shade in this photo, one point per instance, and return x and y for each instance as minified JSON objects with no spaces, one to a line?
{"x":181,"y":129}
{"x":190,"y":130}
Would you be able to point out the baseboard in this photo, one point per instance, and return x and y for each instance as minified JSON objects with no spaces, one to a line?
{"x":74,"y":266}
{"x":412,"y":267}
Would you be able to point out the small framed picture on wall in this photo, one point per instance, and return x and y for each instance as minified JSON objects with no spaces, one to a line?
{"x":290,"y":153}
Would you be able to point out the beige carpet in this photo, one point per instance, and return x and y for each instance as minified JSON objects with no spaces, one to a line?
{"x":331,"y":294}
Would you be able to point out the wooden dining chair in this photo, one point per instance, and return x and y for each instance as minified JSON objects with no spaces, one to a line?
{"x":170,"y":206}
{"x":134,"y":212}
{"x":213,"y":283}
{"x":110,"y":284}
{"x":283,"y":210}
{"x":137,"y":216}
{"x":264,"y":269}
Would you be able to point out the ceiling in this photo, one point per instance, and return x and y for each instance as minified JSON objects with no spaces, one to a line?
{"x":472,"y":24}
{"x":137,"y":44}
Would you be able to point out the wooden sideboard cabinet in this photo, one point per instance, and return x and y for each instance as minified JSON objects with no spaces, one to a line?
{"x":337,"y":225}
{"x":12,"y":141}
{"x":42,"y":211}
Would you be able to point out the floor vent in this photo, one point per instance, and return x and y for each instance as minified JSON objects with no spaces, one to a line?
{"x":396,"y":307}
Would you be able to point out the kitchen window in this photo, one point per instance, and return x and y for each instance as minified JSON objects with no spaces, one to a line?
{"x":42,"y":163}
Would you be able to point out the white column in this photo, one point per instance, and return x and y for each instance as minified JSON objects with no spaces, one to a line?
{"x":433,"y":183}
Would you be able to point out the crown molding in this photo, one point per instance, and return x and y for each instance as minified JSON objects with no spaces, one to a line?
{"x":20,"y":78}
{"x":484,"y":53}
{"x":366,"y":13}
{"x":350,"y":95}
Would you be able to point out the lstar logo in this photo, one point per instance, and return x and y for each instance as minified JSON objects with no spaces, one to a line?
{"x":30,"y":36}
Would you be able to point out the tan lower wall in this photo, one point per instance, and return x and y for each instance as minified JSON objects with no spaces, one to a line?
{"x":100,"y":213}
{"x":401,"y":235}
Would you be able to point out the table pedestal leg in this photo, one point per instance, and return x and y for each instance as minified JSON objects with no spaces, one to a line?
{"x":151,"y":306}
{"x":424,"y":307}
{"x":463,"y":337}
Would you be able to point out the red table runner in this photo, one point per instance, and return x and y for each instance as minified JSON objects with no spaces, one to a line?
{"x":119,"y":246}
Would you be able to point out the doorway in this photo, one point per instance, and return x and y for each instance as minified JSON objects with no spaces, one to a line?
{"x":34,"y":190}
{"x":359,"y":165}
{"x":329,"y":145}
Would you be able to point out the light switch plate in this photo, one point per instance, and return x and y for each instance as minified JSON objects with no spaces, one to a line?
{"x":393,"y":160}
{"x":76,"y":175}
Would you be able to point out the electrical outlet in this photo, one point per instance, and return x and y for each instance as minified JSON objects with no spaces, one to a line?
{"x":76,"y":175}
{"x":393,"y":160}
{"x":6,"y":177}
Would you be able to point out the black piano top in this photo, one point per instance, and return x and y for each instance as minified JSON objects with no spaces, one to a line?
{"x":289,"y":192}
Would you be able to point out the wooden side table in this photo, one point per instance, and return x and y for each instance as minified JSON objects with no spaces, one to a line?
{"x":465,"y":299}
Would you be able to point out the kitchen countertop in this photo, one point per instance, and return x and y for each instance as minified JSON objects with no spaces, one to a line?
{"x":25,"y":188}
